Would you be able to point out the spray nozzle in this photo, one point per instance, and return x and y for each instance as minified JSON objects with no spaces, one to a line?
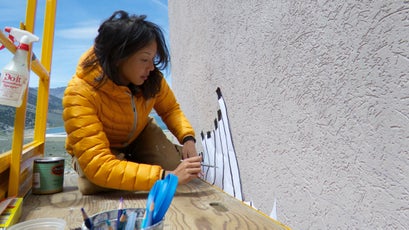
{"x":22,"y":36}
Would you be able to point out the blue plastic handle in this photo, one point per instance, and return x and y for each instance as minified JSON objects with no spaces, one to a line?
{"x":161,"y":196}
{"x":164,"y":196}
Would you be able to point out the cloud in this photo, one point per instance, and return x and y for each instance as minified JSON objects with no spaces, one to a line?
{"x":74,"y":35}
{"x":88,"y":33}
{"x":163,"y":5}
{"x":12,"y":10}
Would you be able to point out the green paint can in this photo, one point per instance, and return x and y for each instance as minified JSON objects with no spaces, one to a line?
{"x":48,"y":175}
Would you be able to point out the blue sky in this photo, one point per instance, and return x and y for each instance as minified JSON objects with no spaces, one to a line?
{"x":76,"y":26}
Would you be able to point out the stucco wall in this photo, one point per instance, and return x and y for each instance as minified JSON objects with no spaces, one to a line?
{"x":318,"y":100}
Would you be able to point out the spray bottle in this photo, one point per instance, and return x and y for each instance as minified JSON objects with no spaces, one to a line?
{"x":15,"y":75}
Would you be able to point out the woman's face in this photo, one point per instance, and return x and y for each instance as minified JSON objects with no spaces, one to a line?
{"x":137,"y":67}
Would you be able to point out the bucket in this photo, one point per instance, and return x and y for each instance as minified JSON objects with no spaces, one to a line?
{"x":99,"y":220}
{"x":40,"y":224}
{"x":48,"y":175}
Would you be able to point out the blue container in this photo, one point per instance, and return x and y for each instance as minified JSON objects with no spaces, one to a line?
{"x":99,"y":220}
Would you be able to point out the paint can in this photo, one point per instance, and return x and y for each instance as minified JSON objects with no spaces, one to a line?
{"x":48,"y":175}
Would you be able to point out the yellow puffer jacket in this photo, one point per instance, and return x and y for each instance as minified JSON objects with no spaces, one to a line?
{"x":110,"y":116}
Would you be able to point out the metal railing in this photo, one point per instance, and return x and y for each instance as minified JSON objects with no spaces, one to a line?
{"x":16,"y":164}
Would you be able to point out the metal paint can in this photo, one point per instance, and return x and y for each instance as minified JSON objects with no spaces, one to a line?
{"x":48,"y":175}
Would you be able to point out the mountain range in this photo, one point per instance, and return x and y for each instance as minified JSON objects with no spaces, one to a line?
{"x":54,"y":116}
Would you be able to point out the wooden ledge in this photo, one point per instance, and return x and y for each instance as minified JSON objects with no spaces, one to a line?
{"x":196,"y":205}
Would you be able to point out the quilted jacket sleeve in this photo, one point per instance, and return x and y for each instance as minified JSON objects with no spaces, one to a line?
{"x":169,"y":110}
{"x":87,"y":141}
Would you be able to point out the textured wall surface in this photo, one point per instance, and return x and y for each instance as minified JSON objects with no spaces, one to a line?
{"x":318,"y":101}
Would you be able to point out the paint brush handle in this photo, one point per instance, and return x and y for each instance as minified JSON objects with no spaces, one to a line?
{"x":205,"y":165}
{"x":108,"y":222}
{"x":87,"y":220}
{"x":120,"y":210}
{"x":210,"y":166}
{"x":147,"y":221}
{"x":122,"y":221}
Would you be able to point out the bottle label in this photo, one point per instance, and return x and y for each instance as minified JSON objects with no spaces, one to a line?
{"x":12,"y":85}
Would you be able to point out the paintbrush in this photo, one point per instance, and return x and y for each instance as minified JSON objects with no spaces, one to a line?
{"x":108,"y":222}
{"x":147,"y":221}
{"x":87,"y":220}
{"x":122,"y":221}
{"x":120,"y":209}
{"x":205,"y":165}
{"x":210,"y":166}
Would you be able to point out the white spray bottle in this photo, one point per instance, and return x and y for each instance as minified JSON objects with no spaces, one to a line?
{"x":15,"y":75}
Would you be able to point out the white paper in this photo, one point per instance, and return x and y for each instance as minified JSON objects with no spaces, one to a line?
{"x":219,"y":152}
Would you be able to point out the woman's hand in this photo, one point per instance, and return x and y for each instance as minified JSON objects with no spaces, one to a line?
{"x":188,"y":169}
{"x":189,"y":149}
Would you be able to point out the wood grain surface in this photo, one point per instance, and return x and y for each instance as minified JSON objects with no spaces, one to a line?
{"x":196,"y":205}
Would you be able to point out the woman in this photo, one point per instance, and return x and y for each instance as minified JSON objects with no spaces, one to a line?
{"x":113,"y":141}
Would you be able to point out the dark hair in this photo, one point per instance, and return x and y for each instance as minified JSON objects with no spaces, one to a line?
{"x":120,"y":36}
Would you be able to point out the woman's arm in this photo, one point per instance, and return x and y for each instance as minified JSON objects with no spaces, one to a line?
{"x":87,"y":141}
{"x":169,"y":110}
